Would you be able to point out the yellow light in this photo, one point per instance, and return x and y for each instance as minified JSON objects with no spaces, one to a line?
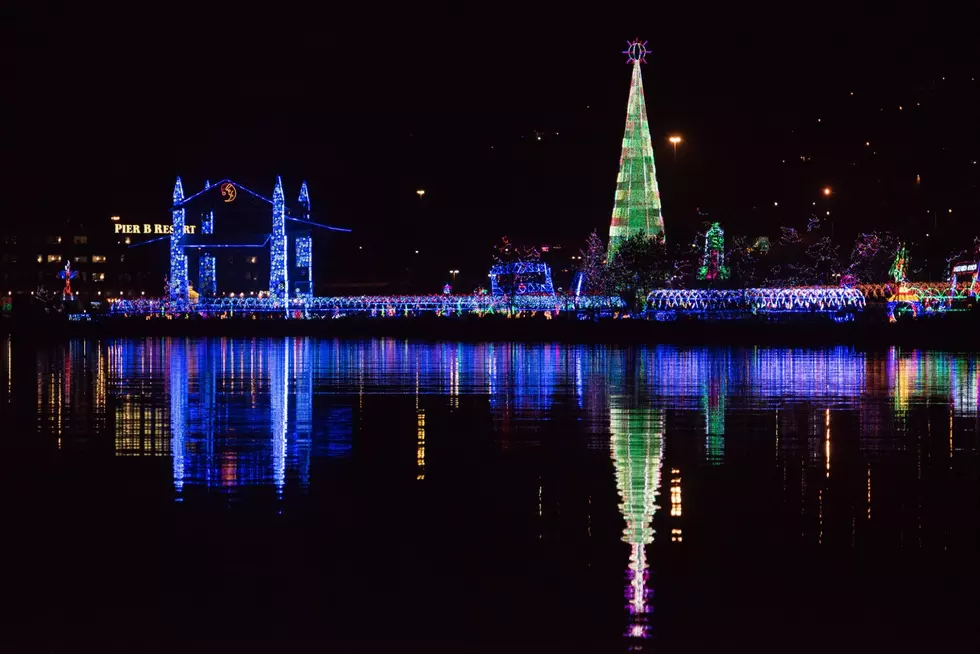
{"x":674,"y":139}
{"x":420,"y":192}
{"x":114,"y":218}
{"x":826,"y":190}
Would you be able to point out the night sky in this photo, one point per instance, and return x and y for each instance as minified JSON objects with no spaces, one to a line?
{"x":105,"y":106}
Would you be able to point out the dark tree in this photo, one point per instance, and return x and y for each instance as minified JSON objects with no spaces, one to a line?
{"x":872,"y":257}
{"x":639,"y":265}
{"x":745,"y":262}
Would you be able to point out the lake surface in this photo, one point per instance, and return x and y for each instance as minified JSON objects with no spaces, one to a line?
{"x":567,"y":498}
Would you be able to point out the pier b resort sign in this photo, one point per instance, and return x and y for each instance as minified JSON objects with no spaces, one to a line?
{"x":150,"y":228}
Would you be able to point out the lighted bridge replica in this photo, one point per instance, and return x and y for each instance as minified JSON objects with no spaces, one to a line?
{"x":516,"y":287}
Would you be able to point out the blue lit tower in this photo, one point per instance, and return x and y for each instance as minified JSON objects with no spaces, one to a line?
{"x":279,"y":254}
{"x":178,"y":260}
{"x":304,"y":200}
{"x":304,"y":250}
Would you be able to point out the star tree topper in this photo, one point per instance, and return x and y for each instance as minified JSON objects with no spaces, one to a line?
{"x":636,"y":51}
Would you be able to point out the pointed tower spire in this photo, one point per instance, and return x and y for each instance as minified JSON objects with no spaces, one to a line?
{"x":304,"y":198}
{"x":207,"y":184}
{"x":178,"y":191}
{"x":279,"y":254}
{"x":637,"y":204}
{"x":178,"y":260}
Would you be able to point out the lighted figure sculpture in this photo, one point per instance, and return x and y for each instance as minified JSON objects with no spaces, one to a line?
{"x":713,"y":260}
{"x":637,"y":452}
{"x":905,"y":297}
{"x":637,"y":205}
{"x":67,"y":274}
{"x":898,"y":271}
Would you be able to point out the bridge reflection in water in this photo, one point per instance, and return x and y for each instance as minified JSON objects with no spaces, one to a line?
{"x":240,"y":413}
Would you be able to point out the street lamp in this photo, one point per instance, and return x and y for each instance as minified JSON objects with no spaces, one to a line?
{"x":674,"y":140}
{"x":420,"y":193}
{"x":454,"y":273}
{"x":826,"y":191}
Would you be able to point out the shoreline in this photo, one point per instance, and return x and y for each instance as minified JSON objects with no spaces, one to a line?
{"x":938,"y":332}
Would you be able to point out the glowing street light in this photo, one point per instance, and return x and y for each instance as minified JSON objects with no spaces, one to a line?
{"x":420,"y":193}
{"x":454,"y":273}
{"x":826,"y":191}
{"x":674,"y":140}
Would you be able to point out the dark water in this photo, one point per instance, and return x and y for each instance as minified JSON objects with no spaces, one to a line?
{"x":563,"y":497}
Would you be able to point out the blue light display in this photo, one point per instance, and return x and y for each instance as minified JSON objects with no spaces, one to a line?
{"x":207,"y":222}
{"x":381,"y":305}
{"x":304,"y":199}
{"x":178,"y":261}
{"x":520,"y":278}
{"x":177,"y":358}
{"x":279,"y":378}
{"x":304,"y":265}
{"x":802,"y":299}
{"x":208,"y":282}
{"x":279,"y":255}
{"x":304,"y":252}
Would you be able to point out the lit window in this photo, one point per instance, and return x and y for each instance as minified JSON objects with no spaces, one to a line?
{"x":54,"y":258}
{"x":40,"y":258}
{"x":54,"y":240}
{"x":81,"y":259}
{"x":253,"y":259}
{"x":98,"y":258}
{"x":98,"y":277}
{"x":80,"y":240}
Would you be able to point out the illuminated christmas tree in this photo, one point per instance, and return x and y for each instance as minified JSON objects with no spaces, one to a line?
{"x":637,"y":205}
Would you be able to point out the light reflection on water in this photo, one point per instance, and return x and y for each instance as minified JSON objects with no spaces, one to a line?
{"x":235,"y":414}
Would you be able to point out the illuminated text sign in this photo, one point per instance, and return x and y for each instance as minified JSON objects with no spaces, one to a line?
{"x":965,"y":268}
{"x":148,"y":228}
